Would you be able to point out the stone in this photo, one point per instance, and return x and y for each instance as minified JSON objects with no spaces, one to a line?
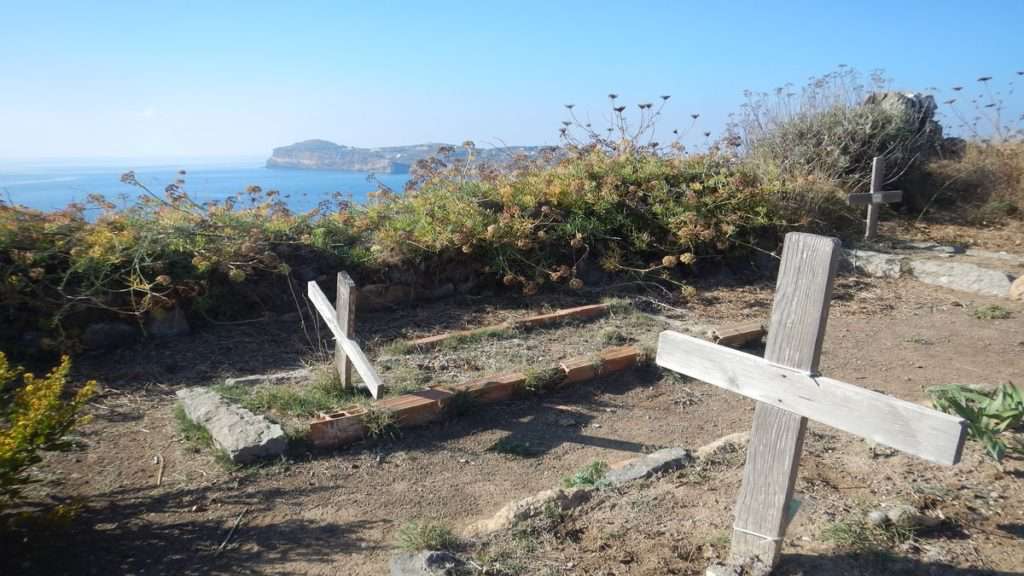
{"x":926,"y":246}
{"x":724,"y":445}
{"x":878,"y":518}
{"x":1017,"y":289}
{"x":242,"y":435}
{"x":649,"y":465}
{"x":875,"y":264}
{"x":425,"y":563}
{"x":906,"y":516}
{"x":109,"y":335}
{"x":962,"y":276}
{"x":298,"y":375}
{"x":520,"y":510}
{"x":163,"y":323}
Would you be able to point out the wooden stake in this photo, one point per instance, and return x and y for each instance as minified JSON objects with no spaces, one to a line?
{"x":877,"y":176}
{"x":345,"y":309}
{"x":800,"y":312}
{"x":352,"y":350}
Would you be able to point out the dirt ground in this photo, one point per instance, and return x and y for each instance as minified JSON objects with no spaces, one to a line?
{"x":337,"y":512}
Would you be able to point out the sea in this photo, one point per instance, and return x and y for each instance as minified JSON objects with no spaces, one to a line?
{"x":53,"y":185}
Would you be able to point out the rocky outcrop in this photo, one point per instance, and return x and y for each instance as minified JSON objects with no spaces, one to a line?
{"x":326,"y":155}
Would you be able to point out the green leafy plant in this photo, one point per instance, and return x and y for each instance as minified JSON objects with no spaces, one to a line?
{"x":34,"y":417}
{"x":990,"y":416}
{"x":512,"y":447}
{"x":380,"y":423}
{"x":589,"y":476}
{"x":991,"y":312}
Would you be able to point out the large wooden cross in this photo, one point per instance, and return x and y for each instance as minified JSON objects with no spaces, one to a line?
{"x":343,"y":335}
{"x":876,"y":197}
{"x":789,"y":390}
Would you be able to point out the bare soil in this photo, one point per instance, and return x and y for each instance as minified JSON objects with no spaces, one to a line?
{"x":337,"y":512}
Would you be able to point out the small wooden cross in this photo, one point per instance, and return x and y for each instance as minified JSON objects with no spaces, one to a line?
{"x":789,"y":391}
{"x":353,"y":352}
{"x":876,"y":197}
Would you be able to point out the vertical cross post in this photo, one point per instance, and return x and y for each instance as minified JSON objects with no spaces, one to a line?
{"x":877,"y":176}
{"x":345,"y":312}
{"x":800,"y":312}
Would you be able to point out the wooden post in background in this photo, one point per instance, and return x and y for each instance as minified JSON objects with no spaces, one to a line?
{"x":345,"y":312}
{"x":798,"y":319}
{"x":877,"y":179}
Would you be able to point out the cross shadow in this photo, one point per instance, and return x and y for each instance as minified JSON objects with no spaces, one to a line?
{"x":111,"y":534}
{"x":874,"y":564}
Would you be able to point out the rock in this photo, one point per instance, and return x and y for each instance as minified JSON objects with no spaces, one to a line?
{"x":273,"y":378}
{"x":242,"y":435}
{"x":378,"y":296}
{"x":109,"y":335}
{"x":163,"y":323}
{"x":875,"y":264}
{"x":1017,"y":289}
{"x":750,"y":567}
{"x":925,"y":246}
{"x":962,"y":276}
{"x":906,"y":516}
{"x":425,"y":563}
{"x":918,"y":113}
{"x":515,"y":512}
{"x":878,"y":518}
{"x":724,"y":445}
{"x":649,"y":465}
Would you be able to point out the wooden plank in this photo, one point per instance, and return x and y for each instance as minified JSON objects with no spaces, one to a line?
{"x":351,"y":348}
{"x":578,"y":313}
{"x":903,"y":425}
{"x":738,"y":335}
{"x":884,"y":197}
{"x":877,"y":178}
{"x":345,"y":308}
{"x":799,"y":314}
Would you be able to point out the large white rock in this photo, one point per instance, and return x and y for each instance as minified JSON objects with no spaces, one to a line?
{"x":1017,"y":289}
{"x":242,"y":435}
{"x":962,"y":276}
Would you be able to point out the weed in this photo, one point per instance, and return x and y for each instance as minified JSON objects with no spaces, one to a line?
{"x":380,"y":423}
{"x":295,"y":401}
{"x":989,"y":415}
{"x":416,"y":536}
{"x":194,"y":434}
{"x":611,"y":336}
{"x":920,"y":340}
{"x":591,"y":475}
{"x":544,"y":379}
{"x":512,"y":447}
{"x":860,"y":535}
{"x":991,"y":312}
{"x":477,"y":336}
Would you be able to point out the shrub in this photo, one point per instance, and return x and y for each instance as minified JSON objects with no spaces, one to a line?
{"x":33,"y":418}
{"x":988,"y":178}
{"x":590,"y":475}
{"x":416,"y":536}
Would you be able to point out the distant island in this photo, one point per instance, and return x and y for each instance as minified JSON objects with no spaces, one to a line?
{"x":326,"y":155}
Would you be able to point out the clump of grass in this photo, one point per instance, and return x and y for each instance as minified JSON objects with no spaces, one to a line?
{"x":399,"y":348}
{"x":380,"y":423}
{"x":860,"y":535}
{"x":542,"y":380}
{"x":194,"y":434}
{"x":590,"y":476}
{"x":990,"y":416}
{"x":611,"y":336}
{"x":296,"y":401}
{"x":415,"y":536}
{"x":499,"y":332}
{"x":512,"y":447}
{"x":461,"y":403}
{"x":991,"y":312}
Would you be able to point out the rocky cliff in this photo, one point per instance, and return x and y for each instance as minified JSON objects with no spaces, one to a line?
{"x":325,"y":155}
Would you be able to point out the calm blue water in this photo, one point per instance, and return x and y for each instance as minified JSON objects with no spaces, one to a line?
{"x":51,"y":187}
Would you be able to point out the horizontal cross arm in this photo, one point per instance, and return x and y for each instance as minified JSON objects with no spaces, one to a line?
{"x":351,"y":348}
{"x":906,"y":426}
{"x":886,"y":197}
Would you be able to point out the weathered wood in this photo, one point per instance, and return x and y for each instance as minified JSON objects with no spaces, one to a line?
{"x":883,"y":197}
{"x":738,"y":335}
{"x":903,"y":425}
{"x":799,"y":314}
{"x":345,"y":308}
{"x":351,"y":348}
{"x":877,"y":176}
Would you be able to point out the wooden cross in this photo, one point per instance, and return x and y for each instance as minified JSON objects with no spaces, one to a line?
{"x":345,"y":309}
{"x":353,"y":353}
{"x":876,"y":197}
{"x":789,"y":391}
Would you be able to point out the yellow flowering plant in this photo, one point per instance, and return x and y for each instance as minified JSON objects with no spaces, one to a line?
{"x":35,"y":416}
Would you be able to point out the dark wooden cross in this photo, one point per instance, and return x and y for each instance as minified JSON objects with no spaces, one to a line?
{"x":876,"y":197}
{"x":789,"y":390}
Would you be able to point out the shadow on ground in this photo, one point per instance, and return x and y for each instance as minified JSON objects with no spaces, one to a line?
{"x":874,"y":564}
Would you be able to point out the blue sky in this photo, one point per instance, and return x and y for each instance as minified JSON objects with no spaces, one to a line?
{"x":177,"y":79}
